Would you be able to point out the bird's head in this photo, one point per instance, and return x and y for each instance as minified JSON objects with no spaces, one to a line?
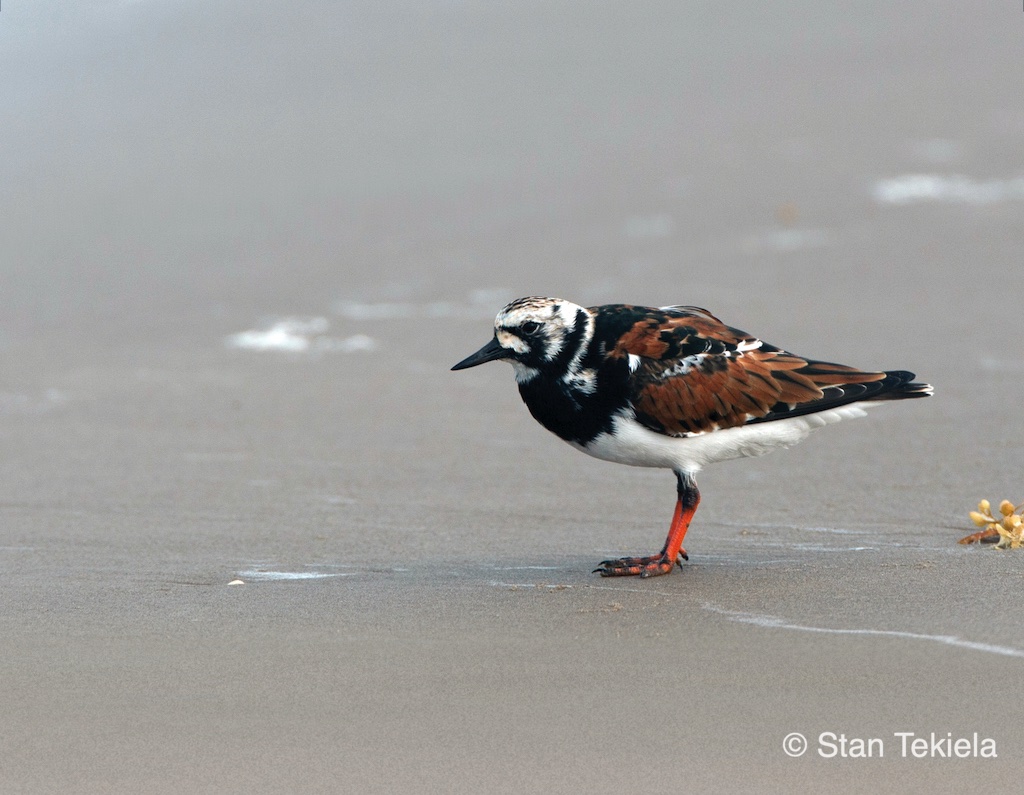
{"x":536,"y":335}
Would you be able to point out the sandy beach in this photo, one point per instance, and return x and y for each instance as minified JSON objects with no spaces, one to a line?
{"x":242,"y":245}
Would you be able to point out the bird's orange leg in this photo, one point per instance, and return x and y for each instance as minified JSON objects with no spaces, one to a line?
{"x":672,"y":553}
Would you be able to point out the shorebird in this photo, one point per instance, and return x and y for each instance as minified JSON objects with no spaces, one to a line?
{"x":674,"y":388}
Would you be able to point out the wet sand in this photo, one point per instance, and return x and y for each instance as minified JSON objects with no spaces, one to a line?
{"x":417,"y":610}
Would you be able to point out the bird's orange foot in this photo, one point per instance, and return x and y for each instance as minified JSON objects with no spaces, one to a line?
{"x":649,"y":566}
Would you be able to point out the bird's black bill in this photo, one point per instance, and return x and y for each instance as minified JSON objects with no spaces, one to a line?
{"x":491,"y":351}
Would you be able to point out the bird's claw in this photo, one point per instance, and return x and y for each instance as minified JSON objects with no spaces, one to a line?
{"x":648,"y":566}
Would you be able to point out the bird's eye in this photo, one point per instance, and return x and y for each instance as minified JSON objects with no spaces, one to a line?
{"x":529,"y":327}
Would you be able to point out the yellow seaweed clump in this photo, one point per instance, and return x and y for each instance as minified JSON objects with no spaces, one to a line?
{"x":1007,"y":530}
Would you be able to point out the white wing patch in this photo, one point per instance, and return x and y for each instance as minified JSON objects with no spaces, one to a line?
{"x":683,"y":366}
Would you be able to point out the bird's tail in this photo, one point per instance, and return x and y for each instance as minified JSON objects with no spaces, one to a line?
{"x":906,"y":387}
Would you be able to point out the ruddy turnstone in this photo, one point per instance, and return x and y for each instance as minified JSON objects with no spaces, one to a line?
{"x":672,"y":387}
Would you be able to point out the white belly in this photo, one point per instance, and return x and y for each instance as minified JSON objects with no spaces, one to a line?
{"x":633,"y":444}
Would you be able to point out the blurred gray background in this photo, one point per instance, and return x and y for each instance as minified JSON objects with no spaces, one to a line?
{"x":168,"y":162}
